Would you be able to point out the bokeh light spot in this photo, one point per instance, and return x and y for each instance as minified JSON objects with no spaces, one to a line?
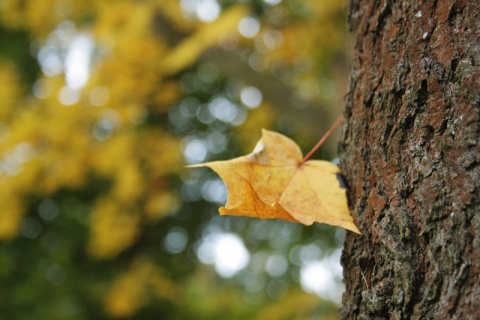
{"x":48,"y":209}
{"x":42,"y":88}
{"x":323,"y":277}
{"x":273,"y":39}
{"x":50,"y":61}
{"x":103,"y":128}
{"x":77,"y":61}
{"x":23,"y":152}
{"x":277,"y":289}
{"x":214,"y":191}
{"x":249,"y":27}
{"x":251,"y":97}
{"x":31,"y":228}
{"x":176,"y":240}
{"x":225,"y":251}
{"x":204,"y":10}
{"x":223,"y":109}
{"x":276,"y":265}
{"x":68,"y":96}
{"x":216,"y":142}
{"x":195,"y":151}
{"x":208,"y":10}
{"x":315,"y":277}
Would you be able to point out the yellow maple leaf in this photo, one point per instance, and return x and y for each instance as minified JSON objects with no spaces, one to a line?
{"x":274,"y":182}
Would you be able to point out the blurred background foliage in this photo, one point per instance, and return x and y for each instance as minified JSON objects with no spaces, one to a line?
{"x":102,"y":105}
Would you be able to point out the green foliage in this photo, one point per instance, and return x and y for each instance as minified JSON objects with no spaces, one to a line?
{"x":99,"y":217}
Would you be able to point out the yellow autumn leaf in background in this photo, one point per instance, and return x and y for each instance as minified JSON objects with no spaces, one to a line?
{"x":273,"y":182}
{"x":189,"y":50}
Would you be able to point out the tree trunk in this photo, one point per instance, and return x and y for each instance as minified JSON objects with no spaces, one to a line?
{"x":411,"y":158}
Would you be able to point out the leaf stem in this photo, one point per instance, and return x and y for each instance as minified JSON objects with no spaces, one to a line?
{"x":322,"y":140}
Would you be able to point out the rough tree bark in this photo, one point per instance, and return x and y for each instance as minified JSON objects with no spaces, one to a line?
{"x":411,"y":157}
